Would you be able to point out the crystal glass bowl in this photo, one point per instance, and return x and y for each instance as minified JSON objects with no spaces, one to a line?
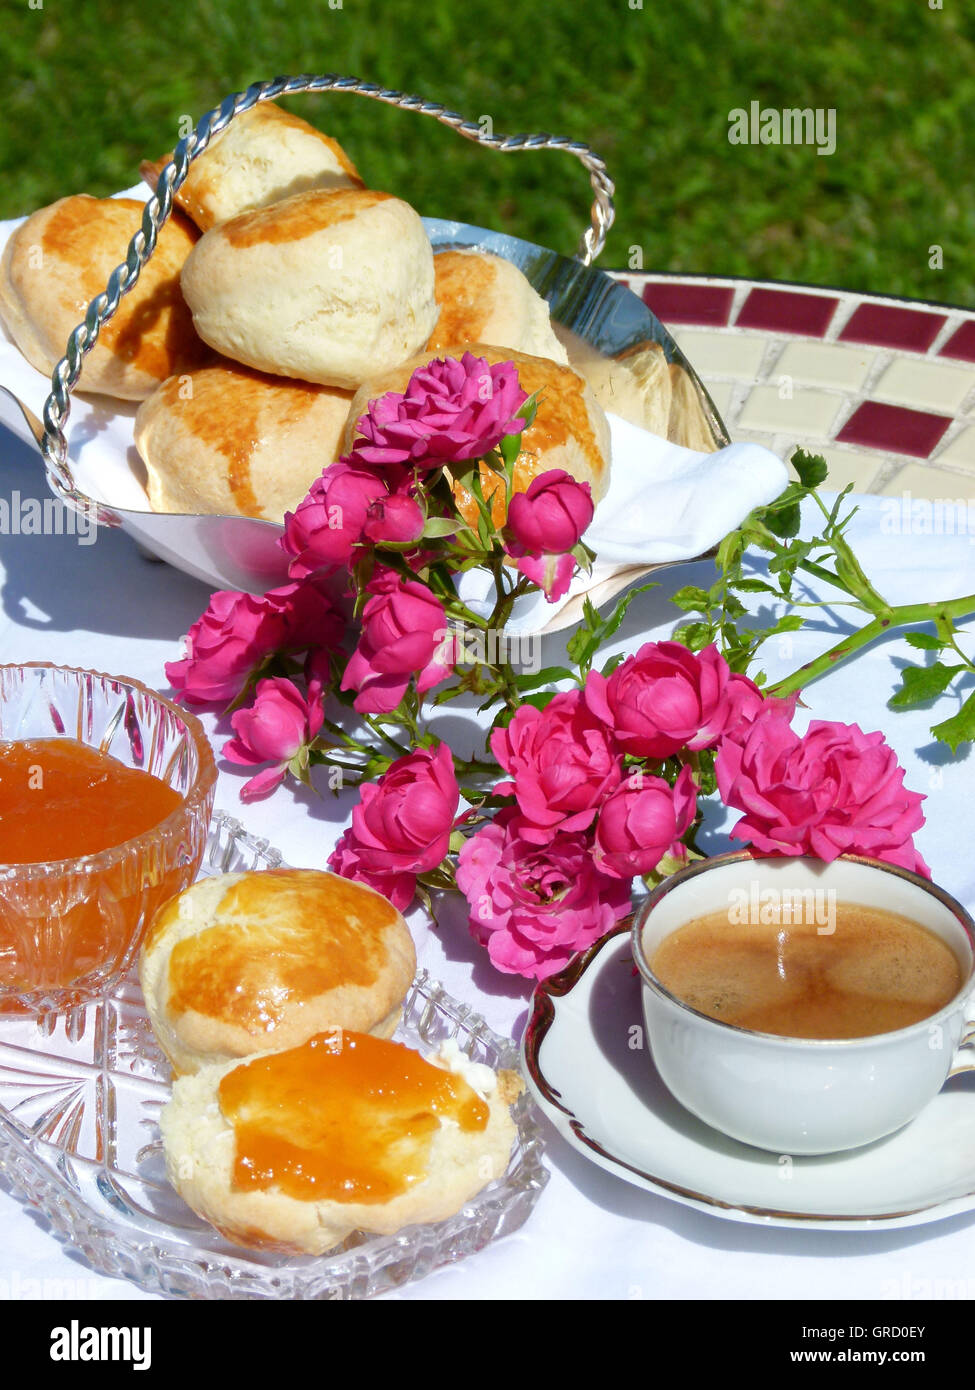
{"x":70,"y":928}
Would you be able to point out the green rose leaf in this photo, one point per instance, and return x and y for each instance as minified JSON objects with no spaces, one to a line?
{"x":811,"y":468}
{"x":960,"y":728}
{"x":692,"y":599}
{"x":541,"y":698}
{"x":548,"y":675}
{"x":784,"y":521}
{"x":919,"y":684}
{"x":924,"y":641}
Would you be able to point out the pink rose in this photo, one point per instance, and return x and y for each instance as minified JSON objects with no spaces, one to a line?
{"x":223,"y":646}
{"x":451,"y":410}
{"x":642,"y":821}
{"x":663,"y":699}
{"x":550,"y":518}
{"x":534,"y":906}
{"x":835,"y":790}
{"x":239,"y":630}
{"x":276,"y":727}
{"x":564,"y":764}
{"x":404,"y":634}
{"x":543,"y":525}
{"x":401,"y":826}
{"x":329,"y":522}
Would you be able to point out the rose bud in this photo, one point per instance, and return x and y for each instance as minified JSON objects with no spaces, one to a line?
{"x":397,"y":518}
{"x":550,"y":518}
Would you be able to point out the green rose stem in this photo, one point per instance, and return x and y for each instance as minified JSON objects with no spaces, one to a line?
{"x":498,"y":621}
{"x":498,"y":678}
{"x":850,"y":578}
{"x":376,"y":727}
{"x":477,"y":767}
{"x":344,"y":737}
{"x":373,"y":762}
{"x":902,"y":615}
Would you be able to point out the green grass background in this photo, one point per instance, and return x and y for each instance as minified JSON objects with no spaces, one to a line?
{"x":90,"y":87}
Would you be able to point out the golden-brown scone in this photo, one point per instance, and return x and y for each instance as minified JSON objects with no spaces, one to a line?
{"x":264,"y":155}
{"x":485,"y":299}
{"x":249,"y":961}
{"x":326,"y":287}
{"x":356,"y":1143}
{"x":570,"y":430}
{"x":228,"y":440}
{"x":688,"y":424}
{"x":60,"y":259}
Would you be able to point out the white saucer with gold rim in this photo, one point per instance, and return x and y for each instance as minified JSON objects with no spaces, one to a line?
{"x":585,"y":1057}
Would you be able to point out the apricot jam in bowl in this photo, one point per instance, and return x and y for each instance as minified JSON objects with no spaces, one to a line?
{"x":106,"y":791}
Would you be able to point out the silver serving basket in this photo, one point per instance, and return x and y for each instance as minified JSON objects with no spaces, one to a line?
{"x":240,"y":552}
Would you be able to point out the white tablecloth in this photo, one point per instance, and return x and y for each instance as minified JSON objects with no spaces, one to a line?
{"x":591,"y":1235}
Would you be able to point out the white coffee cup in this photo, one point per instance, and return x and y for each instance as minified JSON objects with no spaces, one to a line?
{"x":799,"y":1095}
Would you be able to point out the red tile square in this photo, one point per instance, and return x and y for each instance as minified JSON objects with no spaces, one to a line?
{"x":787,"y":311}
{"x":676,"y":303}
{"x":886,"y":325}
{"x":961,"y":343}
{"x":894,"y":428}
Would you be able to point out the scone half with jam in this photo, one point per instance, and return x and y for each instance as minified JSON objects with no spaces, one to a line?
{"x":293,"y":1151}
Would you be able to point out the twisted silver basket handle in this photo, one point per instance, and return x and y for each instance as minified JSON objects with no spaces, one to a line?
{"x":65,"y":376}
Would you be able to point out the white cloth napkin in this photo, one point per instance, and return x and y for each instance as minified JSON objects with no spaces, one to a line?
{"x":664,"y":504}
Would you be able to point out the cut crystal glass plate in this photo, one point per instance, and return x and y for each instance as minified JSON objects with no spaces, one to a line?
{"x":80,"y":1096}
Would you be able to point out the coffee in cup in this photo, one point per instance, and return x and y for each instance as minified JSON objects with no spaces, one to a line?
{"x":819,"y":1093}
{"x":873,"y":972}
